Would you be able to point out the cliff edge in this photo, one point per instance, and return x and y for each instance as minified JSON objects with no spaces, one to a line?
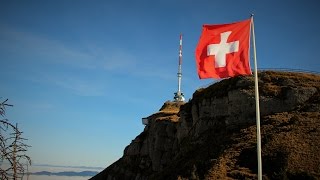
{"x":213,"y":136}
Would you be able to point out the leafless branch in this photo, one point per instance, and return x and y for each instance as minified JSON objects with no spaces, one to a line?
{"x":12,"y":148}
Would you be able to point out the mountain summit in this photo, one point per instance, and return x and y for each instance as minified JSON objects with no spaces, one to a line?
{"x":213,"y":136}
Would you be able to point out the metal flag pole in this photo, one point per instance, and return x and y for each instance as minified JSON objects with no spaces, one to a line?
{"x":257,"y":103}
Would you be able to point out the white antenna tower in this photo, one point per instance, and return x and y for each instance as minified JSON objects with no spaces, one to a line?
{"x":178,"y":96}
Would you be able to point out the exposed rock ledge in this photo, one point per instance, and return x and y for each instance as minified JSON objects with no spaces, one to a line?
{"x":213,"y":135}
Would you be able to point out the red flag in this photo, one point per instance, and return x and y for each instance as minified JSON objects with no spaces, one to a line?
{"x":223,"y":50}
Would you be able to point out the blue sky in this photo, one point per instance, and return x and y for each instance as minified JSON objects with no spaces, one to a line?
{"x":81,"y":74}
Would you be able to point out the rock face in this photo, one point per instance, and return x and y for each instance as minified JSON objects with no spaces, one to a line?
{"x":213,"y":136}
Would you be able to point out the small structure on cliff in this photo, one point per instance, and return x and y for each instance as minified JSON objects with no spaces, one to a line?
{"x":145,"y":121}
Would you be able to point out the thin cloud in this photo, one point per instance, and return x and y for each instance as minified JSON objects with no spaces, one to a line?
{"x":37,"y":48}
{"x":79,"y":86}
{"x":76,"y":85}
{"x":120,"y":61}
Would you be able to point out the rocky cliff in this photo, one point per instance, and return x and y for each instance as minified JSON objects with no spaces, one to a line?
{"x":213,"y":136}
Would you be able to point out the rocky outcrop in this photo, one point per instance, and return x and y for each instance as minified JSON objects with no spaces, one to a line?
{"x":213,"y":135}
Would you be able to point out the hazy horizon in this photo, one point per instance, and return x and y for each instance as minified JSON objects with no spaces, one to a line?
{"x":56,"y":168}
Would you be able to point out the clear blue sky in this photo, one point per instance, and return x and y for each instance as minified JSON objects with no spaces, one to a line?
{"x":81,"y":74}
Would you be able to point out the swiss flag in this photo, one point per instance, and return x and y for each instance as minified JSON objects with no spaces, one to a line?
{"x":223,"y":50}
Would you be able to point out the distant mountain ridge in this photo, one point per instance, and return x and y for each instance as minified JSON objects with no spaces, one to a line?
{"x":213,"y":136}
{"x":66,"y":173}
{"x":64,"y":166}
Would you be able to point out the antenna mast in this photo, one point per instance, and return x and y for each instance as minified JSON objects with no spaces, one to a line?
{"x":178,"y":96}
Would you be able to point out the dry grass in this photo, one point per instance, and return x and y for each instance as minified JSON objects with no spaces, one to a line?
{"x":168,"y":112}
{"x":271,"y":83}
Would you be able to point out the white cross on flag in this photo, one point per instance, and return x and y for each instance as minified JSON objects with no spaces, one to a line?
{"x":223,"y":50}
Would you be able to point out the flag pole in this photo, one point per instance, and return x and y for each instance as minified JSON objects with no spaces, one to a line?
{"x":257,"y":103}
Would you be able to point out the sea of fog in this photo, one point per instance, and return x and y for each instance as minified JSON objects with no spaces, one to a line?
{"x":37,"y":168}
{"x":43,"y":177}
